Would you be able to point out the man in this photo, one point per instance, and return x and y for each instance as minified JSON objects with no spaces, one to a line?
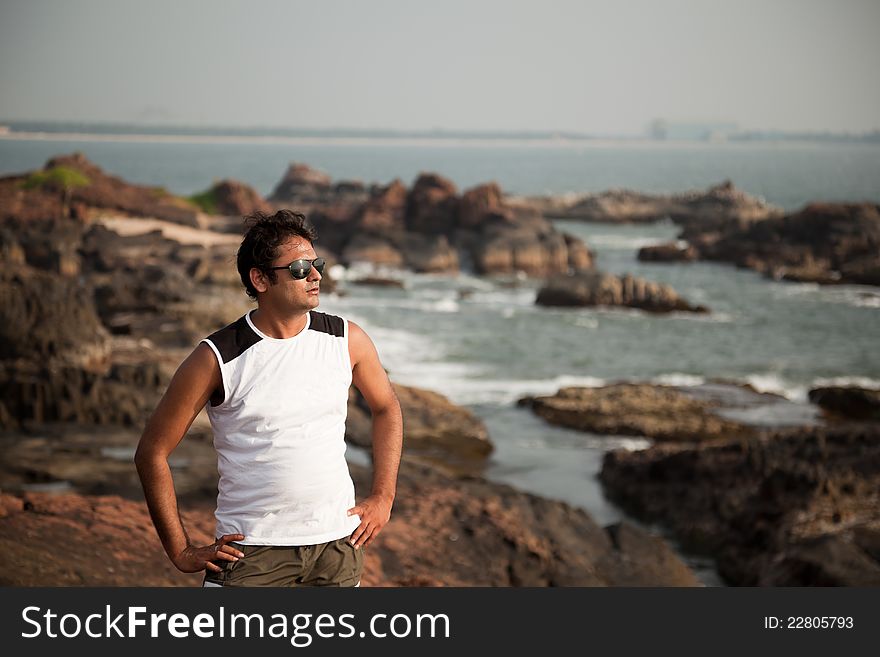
{"x":276,"y":384}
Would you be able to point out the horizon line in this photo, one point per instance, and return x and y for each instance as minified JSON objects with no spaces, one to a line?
{"x":225,"y":130}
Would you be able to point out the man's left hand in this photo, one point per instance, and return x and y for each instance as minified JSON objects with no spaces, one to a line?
{"x":375,"y":511}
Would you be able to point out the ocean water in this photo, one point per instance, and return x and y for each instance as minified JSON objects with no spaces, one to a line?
{"x":484,"y":343}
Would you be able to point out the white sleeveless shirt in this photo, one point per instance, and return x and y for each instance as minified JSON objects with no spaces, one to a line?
{"x":279,"y":432}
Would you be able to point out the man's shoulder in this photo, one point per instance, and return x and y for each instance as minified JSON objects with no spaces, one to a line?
{"x":233,"y":340}
{"x":325,"y":323}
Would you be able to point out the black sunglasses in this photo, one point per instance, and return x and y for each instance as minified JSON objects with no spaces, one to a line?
{"x":299,"y":269}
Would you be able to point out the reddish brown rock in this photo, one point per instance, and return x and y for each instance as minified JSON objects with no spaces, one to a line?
{"x":480,"y":534}
{"x":478,"y":203}
{"x":25,"y":198}
{"x":435,"y":429}
{"x":234,"y":198}
{"x":430,"y":229}
{"x":301,"y":183}
{"x":384,"y":211}
{"x":512,"y":252}
{"x":430,"y":253}
{"x":580,"y":257}
{"x":370,"y":248}
{"x":108,"y":541}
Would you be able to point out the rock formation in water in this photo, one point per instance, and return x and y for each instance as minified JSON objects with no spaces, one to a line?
{"x":595,"y":288}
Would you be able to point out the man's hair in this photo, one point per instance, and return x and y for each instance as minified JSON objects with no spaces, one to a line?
{"x":263,"y":239}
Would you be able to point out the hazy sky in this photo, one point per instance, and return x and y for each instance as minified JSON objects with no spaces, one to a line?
{"x":595,"y":67}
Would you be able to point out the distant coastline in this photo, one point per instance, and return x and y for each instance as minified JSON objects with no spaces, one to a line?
{"x":23,"y":130}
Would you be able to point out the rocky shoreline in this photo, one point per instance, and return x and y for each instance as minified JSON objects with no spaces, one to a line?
{"x":95,"y":322}
{"x":795,"y":506}
{"x":106,"y":286}
{"x":478,"y":534}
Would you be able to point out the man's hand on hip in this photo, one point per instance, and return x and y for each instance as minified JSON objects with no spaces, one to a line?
{"x":193,"y":559}
{"x":375,"y":511}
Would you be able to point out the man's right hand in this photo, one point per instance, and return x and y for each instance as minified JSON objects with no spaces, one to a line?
{"x":193,"y":559}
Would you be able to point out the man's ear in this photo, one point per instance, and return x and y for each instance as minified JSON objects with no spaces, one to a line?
{"x":259,"y":279}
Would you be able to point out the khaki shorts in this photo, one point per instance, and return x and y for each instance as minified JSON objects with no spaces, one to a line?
{"x":336,"y":563}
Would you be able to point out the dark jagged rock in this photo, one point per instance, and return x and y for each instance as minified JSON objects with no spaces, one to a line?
{"x":44,"y":316}
{"x":55,"y":357}
{"x":432,"y":205}
{"x":669,"y":252}
{"x":823,"y":243}
{"x":797,"y":507}
{"x":34,"y":393}
{"x":594,"y":288}
{"x":848,"y":402}
{"x":46,"y":244}
{"x":378,"y":281}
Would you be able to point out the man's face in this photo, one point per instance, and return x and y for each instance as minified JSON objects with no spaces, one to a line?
{"x":286,"y":292}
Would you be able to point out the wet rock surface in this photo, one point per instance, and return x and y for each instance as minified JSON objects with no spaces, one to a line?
{"x":849,"y":402}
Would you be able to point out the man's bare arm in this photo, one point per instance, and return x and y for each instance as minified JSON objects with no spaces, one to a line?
{"x":371,"y":380}
{"x":185,"y":397}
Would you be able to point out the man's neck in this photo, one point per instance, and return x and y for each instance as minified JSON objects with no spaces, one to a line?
{"x":278,"y":326}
